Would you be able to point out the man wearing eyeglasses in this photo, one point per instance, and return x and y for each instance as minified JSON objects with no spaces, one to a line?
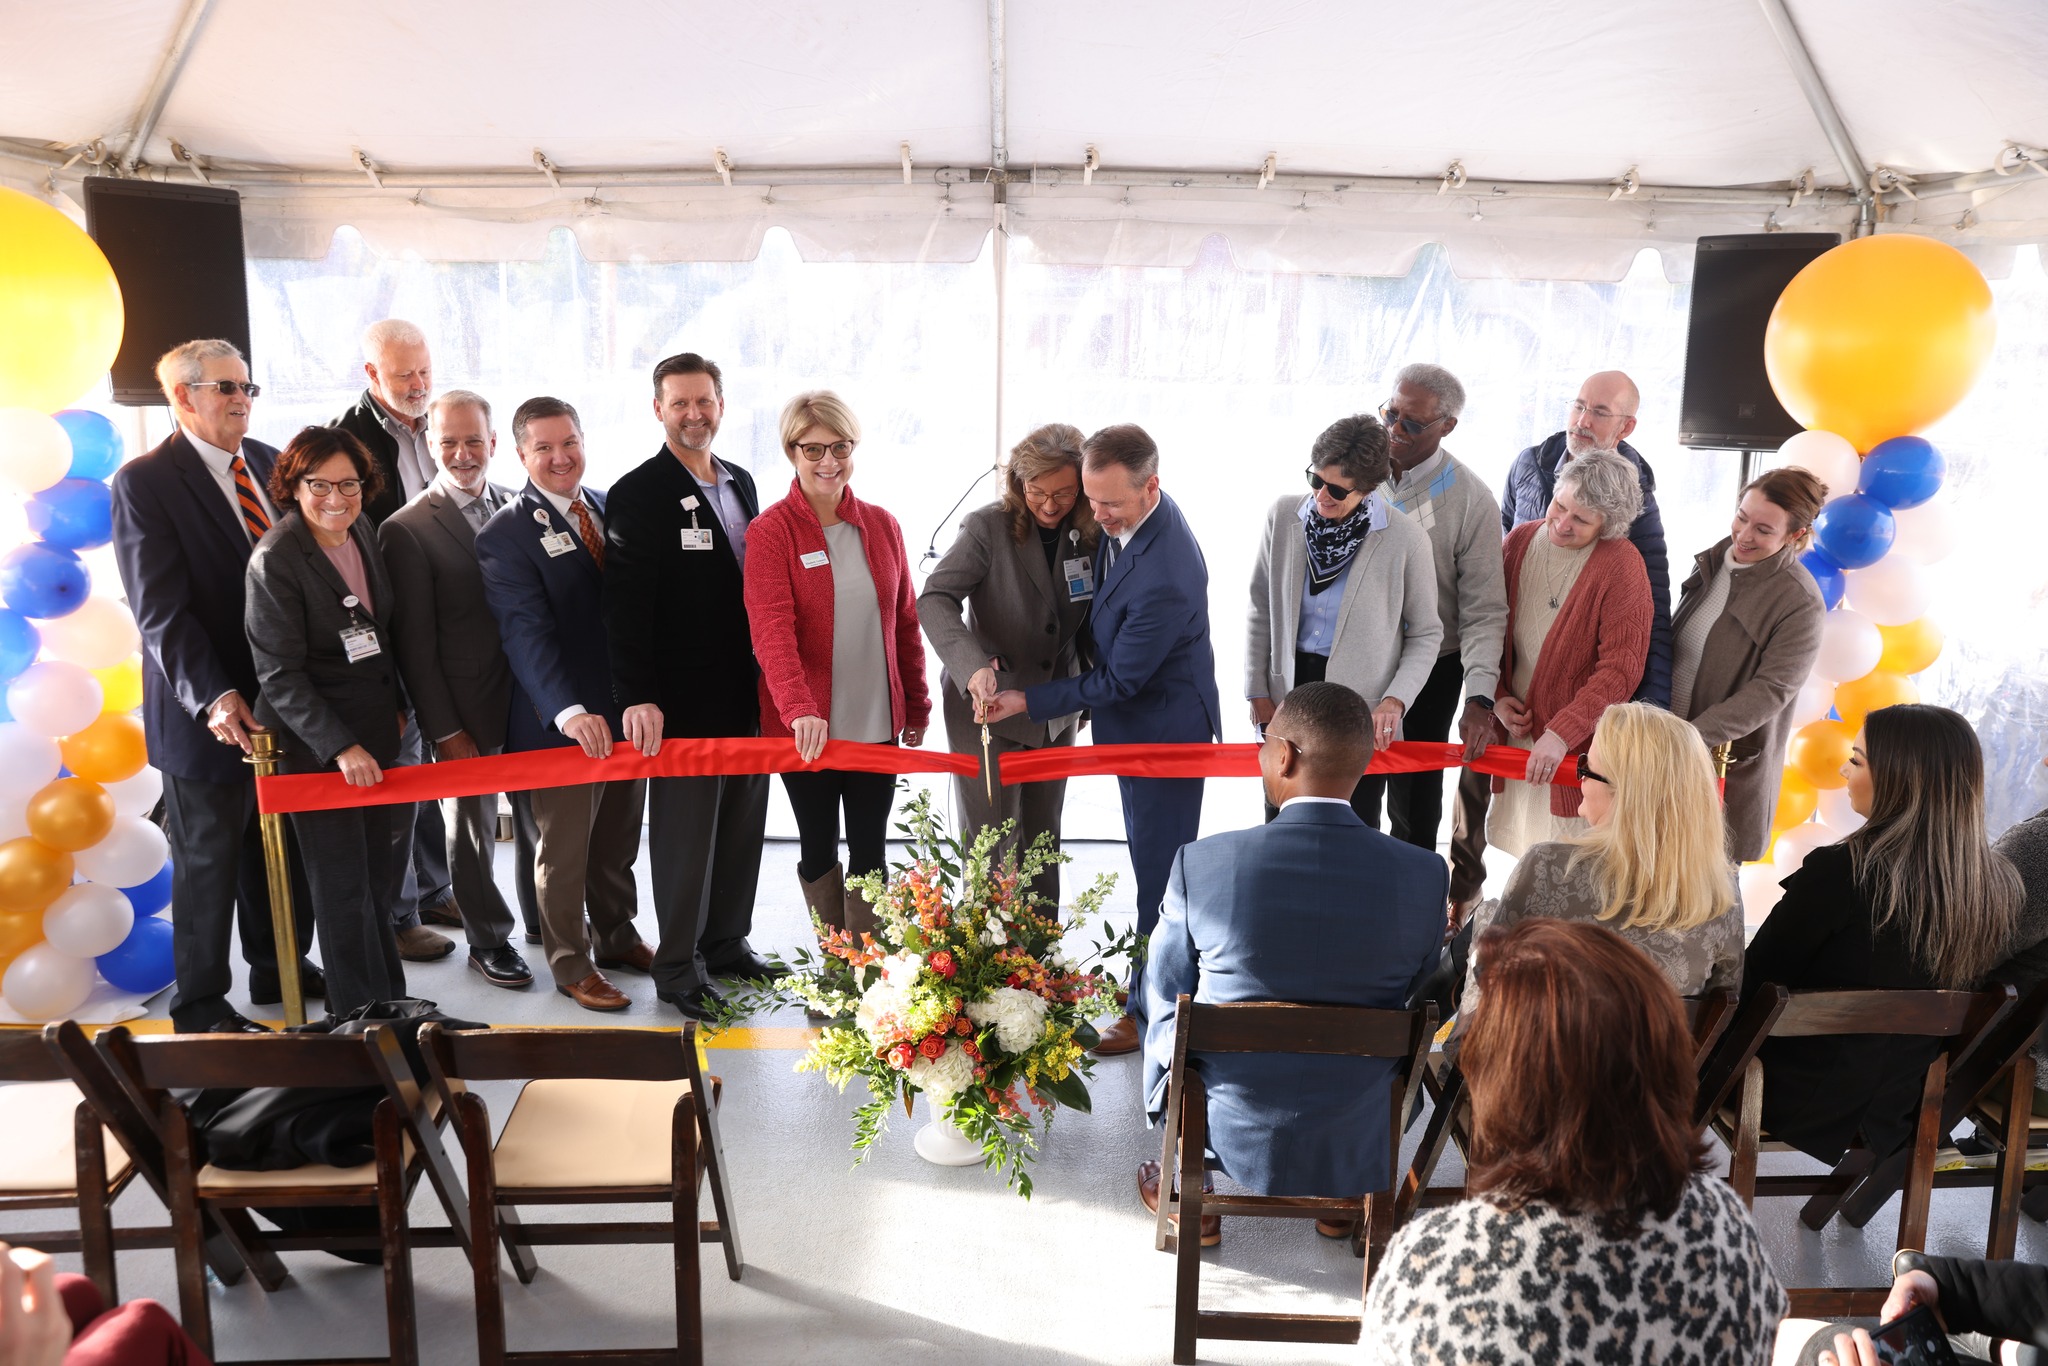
{"x":1600,"y":419}
{"x":186,"y":517}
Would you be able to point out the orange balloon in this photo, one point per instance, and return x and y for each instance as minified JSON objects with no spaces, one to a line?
{"x":1797,"y":800}
{"x":1910,"y":648}
{"x":121,"y":686}
{"x":1858,"y":698}
{"x":1818,"y":752}
{"x":18,"y":934}
{"x":71,"y":814}
{"x":108,"y":750}
{"x":1879,"y":337}
{"x":32,"y":875}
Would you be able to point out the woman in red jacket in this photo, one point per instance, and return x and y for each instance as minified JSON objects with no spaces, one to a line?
{"x":834,"y":620}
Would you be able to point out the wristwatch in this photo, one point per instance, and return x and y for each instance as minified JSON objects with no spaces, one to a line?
{"x":1477,"y":701}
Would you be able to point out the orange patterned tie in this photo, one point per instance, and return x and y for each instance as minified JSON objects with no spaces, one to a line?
{"x":253,"y":515}
{"x":592,"y":542}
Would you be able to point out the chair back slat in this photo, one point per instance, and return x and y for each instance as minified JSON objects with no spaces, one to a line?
{"x":1277,"y":1027}
{"x":1923,"y":1014}
{"x":523,"y":1054}
{"x":24,"y":1056}
{"x":163,"y":1061}
{"x":1709,"y":1016}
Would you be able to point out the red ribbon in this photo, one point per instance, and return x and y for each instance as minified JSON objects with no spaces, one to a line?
{"x":1242,"y":761}
{"x":569,"y":766}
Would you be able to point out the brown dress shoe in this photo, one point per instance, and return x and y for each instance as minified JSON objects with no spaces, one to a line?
{"x":446,"y":913}
{"x":418,"y":944}
{"x":639,"y":958}
{"x":1121,"y":1037}
{"x":1336,"y":1228}
{"x":1148,"y":1191}
{"x":595,"y":993}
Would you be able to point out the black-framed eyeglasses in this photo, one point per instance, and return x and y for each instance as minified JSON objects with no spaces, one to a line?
{"x":226,"y":387}
{"x":815,"y":451}
{"x":1320,"y":484}
{"x":320,"y":488}
{"x":1407,"y":424}
{"x":1586,"y":771}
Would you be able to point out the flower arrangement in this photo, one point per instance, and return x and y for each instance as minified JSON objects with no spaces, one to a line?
{"x":966,"y":992}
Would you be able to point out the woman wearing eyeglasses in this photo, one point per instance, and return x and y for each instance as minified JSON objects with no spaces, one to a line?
{"x":321,"y":616}
{"x":1004,"y":609}
{"x":1343,"y":591}
{"x":834,"y":621}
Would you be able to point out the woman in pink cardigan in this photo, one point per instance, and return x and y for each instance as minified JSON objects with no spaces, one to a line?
{"x":834,"y":621}
{"x":1579,"y":612}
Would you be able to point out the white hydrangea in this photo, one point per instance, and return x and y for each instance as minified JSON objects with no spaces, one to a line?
{"x":1019,"y":1017}
{"x":901,"y":969}
{"x":946,"y":1078}
{"x":883,"y":998}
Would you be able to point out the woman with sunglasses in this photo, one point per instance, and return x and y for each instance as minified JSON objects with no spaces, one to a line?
{"x":321,"y":615}
{"x":1344,"y":591}
{"x":834,"y":621}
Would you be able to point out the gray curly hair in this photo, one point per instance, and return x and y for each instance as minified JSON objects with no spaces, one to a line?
{"x":1606,"y":483}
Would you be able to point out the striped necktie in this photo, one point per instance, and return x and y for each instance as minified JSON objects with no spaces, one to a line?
{"x":253,"y":515}
{"x":592,"y":542}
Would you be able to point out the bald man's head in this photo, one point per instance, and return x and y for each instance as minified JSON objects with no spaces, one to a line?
{"x":1603,"y":414}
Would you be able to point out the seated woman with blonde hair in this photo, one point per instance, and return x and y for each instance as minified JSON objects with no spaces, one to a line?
{"x":1651,"y":867}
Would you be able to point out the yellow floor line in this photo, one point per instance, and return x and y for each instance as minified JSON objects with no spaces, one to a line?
{"x":793,"y":1038}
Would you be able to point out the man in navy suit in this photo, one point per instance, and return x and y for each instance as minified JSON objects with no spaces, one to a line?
{"x":542,"y":557}
{"x":1154,"y":680}
{"x":186,"y":516}
{"x":1316,"y":908}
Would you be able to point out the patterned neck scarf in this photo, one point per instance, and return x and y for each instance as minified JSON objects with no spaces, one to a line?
{"x":1331,"y":545}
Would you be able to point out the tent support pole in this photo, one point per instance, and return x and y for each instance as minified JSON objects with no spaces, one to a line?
{"x":999,"y":168}
{"x":167,"y":73}
{"x":1824,"y":111}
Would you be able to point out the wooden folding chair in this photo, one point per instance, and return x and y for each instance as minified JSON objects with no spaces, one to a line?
{"x":1956,"y":1018}
{"x":151,"y":1065}
{"x":607,"y":1116}
{"x":1274,"y":1027}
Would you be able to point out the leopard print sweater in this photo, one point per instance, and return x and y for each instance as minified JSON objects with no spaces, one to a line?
{"x":1472,"y":1283}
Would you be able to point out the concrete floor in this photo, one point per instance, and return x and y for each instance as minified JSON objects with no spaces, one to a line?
{"x":898,"y":1260}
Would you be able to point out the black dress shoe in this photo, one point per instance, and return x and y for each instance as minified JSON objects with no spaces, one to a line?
{"x":751,"y":965}
{"x":501,"y":966}
{"x":236,"y":1023}
{"x":699,"y":1003}
{"x":312,"y":983}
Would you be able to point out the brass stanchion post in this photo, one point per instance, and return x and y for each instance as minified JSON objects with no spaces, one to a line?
{"x":277,"y":870}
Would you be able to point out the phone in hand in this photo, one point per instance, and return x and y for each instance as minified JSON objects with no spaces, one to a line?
{"x":1914,"y":1339}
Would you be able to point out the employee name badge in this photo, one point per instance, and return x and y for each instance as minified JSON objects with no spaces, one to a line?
{"x":557,"y":542}
{"x":358,"y":642}
{"x":816,"y":559}
{"x":1080,"y":576}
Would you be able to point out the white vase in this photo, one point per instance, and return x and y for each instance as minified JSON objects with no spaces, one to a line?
{"x":939,"y":1142}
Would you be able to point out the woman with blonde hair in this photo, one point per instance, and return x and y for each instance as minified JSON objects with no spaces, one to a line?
{"x":1650,"y":866}
{"x":1005,"y":608}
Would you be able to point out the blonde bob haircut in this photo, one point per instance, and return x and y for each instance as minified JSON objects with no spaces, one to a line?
{"x":816,"y":408}
{"x":1660,"y":861}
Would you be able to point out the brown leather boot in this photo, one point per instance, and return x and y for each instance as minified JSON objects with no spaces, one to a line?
{"x":827,"y":896}
{"x":860,"y":917}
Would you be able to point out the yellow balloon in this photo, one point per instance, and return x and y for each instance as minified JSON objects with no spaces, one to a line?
{"x":121,"y":686}
{"x":1879,"y":337}
{"x":1797,"y":800}
{"x":1876,"y":689}
{"x":70,"y":814}
{"x":60,"y":307}
{"x":1910,"y":648}
{"x":1818,"y":752}
{"x":32,"y":875}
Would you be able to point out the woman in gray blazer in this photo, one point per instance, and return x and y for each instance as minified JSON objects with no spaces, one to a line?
{"x":320,"y":617}
{"x":1344,"y":591}
{"x":1005,"y":609}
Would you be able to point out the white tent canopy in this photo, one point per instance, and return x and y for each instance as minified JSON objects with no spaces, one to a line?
{"x":1533,"y":138}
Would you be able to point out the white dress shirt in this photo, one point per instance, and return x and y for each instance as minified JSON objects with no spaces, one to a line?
{"x":217,"y":462}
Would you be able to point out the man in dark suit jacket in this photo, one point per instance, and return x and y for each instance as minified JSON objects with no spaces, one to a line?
{"x":186,"y":516}
{"x":1154,"y":680}
{"x":683,"y":664}
{"x":1316,"y":907}
{"x":542,"y":557}
{"x":455,"y":666}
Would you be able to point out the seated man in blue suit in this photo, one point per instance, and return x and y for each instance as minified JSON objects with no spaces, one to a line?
{"x":1154,"y":679}
{"x":1317,"y":908}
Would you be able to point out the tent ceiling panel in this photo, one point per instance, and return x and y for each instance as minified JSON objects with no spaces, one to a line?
{"x":76,"y":71}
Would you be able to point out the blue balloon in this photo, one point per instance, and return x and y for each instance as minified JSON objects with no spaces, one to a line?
{"x":1827,"y":574}
{"x":1903,"y":472}
{"x":43,"y":581}
{"x":19,"y":642}
{"x":152,"y":896}
{"x":73,"y":514}
{"x":1854,"y":531}
{"x":142,"y":961}
{"x":95,"y":443}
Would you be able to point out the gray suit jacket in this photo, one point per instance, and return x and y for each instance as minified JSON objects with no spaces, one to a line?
{"x":310,"y":693}
{"x":455,"y":665}
{"x":990,"y":597}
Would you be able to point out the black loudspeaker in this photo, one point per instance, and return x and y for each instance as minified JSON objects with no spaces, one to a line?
{"x":1736,"y":281}
{"x":177,"y":252}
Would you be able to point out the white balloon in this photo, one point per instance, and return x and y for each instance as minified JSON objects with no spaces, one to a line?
{"x":35,"y":451}
{"x":1796,"y":843}
{"x":1927,"y":533}
{"x":1760,"y":890}
{"x":28,"y":760}
{"x":54,"y":698}
{"x":1816,"y":698}
{"x":89,"y":919}
{"x":44,"y":984}
{"x":130,"y":854}
{"x":1891,"y":592}
{"x":13,"y":817}
{"x":136,"y":796}
{"x":1850,"y":646}
{"x":1828,"y":457}
{"x":1836,"y":813}
{"x":99,"y":635}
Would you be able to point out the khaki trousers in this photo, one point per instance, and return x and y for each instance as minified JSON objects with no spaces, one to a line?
{"x":589,"y":836}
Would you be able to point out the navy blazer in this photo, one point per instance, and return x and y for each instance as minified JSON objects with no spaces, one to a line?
{"x":183,"y":554}
{"x":1316,"y":908}
{"x":550,"y":611}
{"x":1154,"y":680}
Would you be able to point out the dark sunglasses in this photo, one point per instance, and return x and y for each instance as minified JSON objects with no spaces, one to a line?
{"x":1406,"y":424}
{"x":226,"y":386}
{"x":1586,"y":771}
{"x":1318,"y":483}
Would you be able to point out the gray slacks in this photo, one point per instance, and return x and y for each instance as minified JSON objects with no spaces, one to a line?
{"x":704,"y":839}
{"x":472,"y":868}
{"x":589,"y":836}
{"x":1035,"y":807}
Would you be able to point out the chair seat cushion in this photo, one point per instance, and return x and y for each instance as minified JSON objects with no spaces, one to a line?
{"x":38,"y":1156}
{"x":215,"y":1181}
{"x":589,"y":1132}
{"x":1729,"y":1120}
{"x":1994,"y":1110}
